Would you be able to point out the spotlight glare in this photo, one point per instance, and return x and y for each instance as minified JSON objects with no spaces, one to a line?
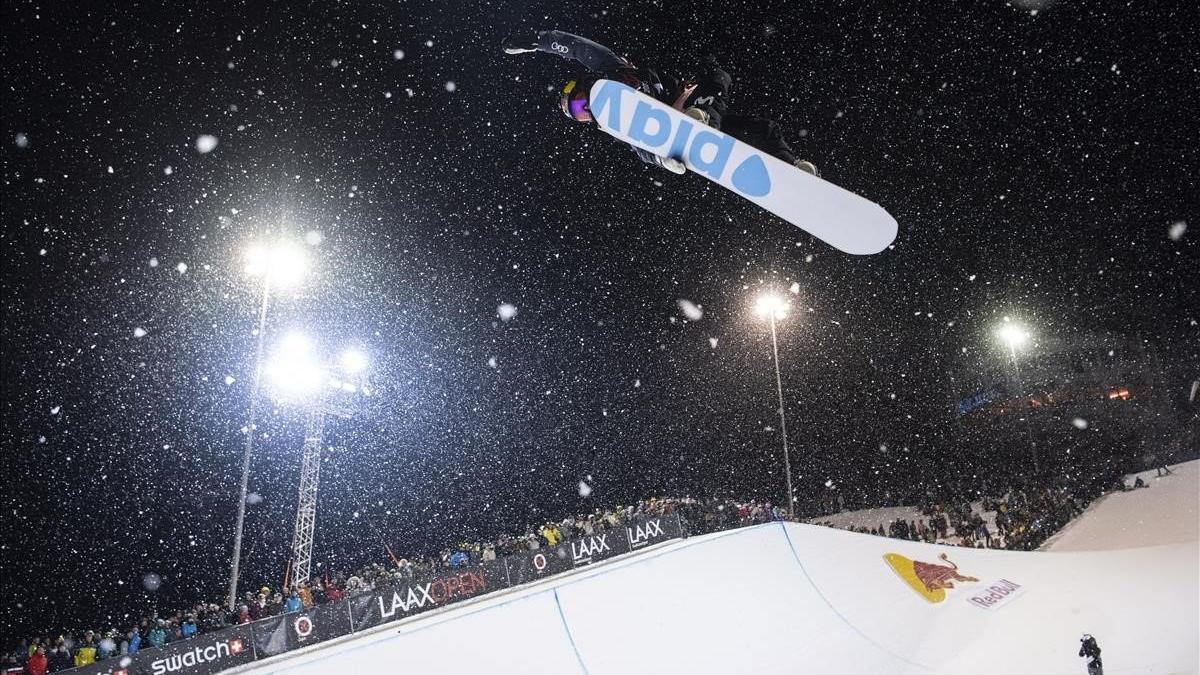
{"x":1013,"y":335}
{"x":771,"y":305}
{"x":354,"y":361}
{"x":292,"y":370}
{"x":283,"y":262}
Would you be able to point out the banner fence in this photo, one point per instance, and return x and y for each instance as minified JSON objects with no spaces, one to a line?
{"x":234,"y":646}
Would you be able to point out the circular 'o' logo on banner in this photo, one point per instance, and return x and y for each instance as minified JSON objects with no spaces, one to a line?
{"x":539,"y":561}
{"x":303,"y":626}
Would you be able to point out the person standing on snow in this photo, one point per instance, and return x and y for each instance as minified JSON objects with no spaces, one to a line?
{"x":703,"y":99}
{"x":1089,"y":650}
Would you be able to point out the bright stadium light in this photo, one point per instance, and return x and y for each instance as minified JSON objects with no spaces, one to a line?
{"x":293,"y":368}
{"x":354,"y":361}
{"x":771,"y":306}
{"x":282,"y":263}
{"x":1013,"y":335}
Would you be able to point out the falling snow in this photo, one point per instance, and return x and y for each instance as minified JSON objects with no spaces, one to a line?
{"x":1031,"y":183}
{"x":205,"y":143}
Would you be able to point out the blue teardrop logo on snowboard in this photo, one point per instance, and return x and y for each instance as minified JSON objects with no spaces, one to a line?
{"x":751,"y":177}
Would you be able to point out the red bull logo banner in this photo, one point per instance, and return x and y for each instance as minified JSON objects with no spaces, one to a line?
{"x":929,"y":580}
{"x":996,"y":594}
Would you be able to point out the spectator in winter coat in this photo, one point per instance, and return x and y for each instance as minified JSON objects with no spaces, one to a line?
{"x":306,"y":595}
{"x":158,"y":634}
{"x":293,"y":603}
{"x":105,"y":647}
{"x":60,"y":658}
{"x":275,"y":607}
{"x":86,"y":654}
{"x":333,"y":593}
{"x":189,"y":627}
{"x":135,"y":642}
{"x":256,"y":607}
{"x":551,"y":534}
{"x":38,"y":663}
{"x":318,"y":592}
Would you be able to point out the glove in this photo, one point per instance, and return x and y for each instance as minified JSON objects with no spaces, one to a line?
{"x":520,"y":43}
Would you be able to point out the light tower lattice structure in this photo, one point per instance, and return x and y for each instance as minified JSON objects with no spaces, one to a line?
{"x":300,"y":380}
{"x":310,"y":480}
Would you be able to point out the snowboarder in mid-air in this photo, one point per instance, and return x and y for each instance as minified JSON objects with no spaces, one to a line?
{"x":1089,"y":650}
{"x":702,"y":97}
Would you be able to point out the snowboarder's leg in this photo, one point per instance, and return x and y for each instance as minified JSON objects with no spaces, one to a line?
{"x":669,"y":163}
{"x":711,"y":95}
{"x":766,"y":135}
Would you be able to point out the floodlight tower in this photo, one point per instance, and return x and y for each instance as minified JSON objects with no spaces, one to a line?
{"x":1013,"y":336}
{"x":278,"y":264}
{"x":322,"y":391}
{"x":775,"y":309}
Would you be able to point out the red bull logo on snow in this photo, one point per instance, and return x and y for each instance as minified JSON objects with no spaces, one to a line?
{"x":929,"y":580}
{"x":996,"y":594}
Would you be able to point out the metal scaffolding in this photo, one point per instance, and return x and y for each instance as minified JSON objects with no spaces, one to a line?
{"x":306,"y":510}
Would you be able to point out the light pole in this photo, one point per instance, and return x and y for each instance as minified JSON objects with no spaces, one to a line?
{"x":1015,"y":336}
{"x":278,"y":265}
{"x":773,"y":308}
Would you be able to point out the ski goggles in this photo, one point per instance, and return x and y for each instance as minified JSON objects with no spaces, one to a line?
{"x":573,"y":102}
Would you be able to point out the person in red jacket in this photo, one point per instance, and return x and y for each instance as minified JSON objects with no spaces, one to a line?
{"x":38,"y":663}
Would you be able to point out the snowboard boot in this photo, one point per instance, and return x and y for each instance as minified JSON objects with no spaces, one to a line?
{"x":671,"y":164}
{"x":807,"y":167}
{"x":699,"y":115}
{"x":520,"y":44}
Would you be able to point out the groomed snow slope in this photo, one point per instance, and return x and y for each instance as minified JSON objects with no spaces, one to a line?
{"x":1166,"y":511}
{"x":804,"y":599}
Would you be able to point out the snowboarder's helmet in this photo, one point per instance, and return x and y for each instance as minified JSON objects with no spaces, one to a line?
{"x":573,"y":101}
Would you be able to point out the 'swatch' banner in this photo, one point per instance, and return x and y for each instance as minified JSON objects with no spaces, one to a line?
{"x":203,"y":654}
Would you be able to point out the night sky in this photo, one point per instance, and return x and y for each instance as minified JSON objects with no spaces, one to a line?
{"x":1041,"y":160}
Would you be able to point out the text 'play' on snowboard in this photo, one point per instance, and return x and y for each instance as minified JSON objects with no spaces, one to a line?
{"x":838,"y":217}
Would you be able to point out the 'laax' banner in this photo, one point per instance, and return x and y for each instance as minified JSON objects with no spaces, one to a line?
{"x":421,"y":595}
{"x":578,"y":552}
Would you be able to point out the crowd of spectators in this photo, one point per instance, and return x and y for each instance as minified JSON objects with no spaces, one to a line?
{"x":154,"y":629}
{"x":1019,"y":518}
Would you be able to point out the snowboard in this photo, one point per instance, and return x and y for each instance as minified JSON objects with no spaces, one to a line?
{"x":832,"y":214}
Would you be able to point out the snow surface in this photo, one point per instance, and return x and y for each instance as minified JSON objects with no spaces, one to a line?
{"x":769,"y":598}
{"x":1167,"y":511}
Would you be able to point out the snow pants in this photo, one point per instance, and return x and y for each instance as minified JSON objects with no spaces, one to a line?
{"x":761,"y":133}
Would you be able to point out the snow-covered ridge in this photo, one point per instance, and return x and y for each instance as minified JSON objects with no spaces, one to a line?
{"x":1166,"y":511}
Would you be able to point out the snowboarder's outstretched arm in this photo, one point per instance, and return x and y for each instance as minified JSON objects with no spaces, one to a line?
{"x":594,"y":56}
